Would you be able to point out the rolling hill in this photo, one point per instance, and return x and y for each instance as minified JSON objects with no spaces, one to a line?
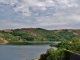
{"x":37,"y":34}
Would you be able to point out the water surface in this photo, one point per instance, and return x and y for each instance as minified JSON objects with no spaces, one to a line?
{"x":15,"y":52}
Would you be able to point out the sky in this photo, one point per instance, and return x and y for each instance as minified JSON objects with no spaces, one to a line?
{"x":47,"y":14}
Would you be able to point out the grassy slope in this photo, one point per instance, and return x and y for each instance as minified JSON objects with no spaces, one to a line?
{"x":38,"y":34}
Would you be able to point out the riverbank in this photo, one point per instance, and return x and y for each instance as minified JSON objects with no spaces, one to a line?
{"x":32,"y":43}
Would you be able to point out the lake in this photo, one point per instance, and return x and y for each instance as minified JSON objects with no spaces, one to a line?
{"x":22,"y":52}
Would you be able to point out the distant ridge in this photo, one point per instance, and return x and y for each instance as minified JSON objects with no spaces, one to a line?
{"x":38,"y":34}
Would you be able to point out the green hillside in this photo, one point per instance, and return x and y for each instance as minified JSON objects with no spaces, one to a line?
{"x":37,"y":34}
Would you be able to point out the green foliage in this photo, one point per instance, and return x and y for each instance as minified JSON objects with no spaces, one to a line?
{"x":43,"y":57}
{"x":1,"y":41}
{"x":73,"y":45}
{"x":56,"y":55}
{"x":52,"y":54}
{"x":25,"y":36}
{"x":8,"y":37}
{"x":61,"y":54}
{"x":50,"y":51}
{"x":66,"y":35}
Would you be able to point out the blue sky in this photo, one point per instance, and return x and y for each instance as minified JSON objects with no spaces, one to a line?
{"x":47,"y":14}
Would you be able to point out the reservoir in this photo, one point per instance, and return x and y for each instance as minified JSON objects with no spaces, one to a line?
{"x":22,"y":52}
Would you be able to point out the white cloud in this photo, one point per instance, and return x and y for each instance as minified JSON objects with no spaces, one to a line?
{"x":67,"y":3}
{"x":24,"y":9}
{"x":10,"y":2}
{"x":23,"y":6}
{"x":36,"y":13}
{"x":59,"y":20}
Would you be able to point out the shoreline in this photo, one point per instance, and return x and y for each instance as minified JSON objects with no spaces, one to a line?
{"x":31,"y":43}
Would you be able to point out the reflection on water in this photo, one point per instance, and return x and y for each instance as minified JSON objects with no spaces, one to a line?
{"x":13,"y":52}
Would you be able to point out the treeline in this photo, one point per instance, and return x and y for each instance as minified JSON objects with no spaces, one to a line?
{"x":24,"y":36}
{"x":59,"y":54}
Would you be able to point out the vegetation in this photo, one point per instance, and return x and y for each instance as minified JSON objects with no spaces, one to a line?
{"x":60,"y":54}
{"x":37,"y":34}
{"x":73,"y":45}
{"x":52,"y":54}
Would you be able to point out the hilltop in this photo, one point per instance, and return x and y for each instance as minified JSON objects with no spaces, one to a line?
{"x":37,"y":34}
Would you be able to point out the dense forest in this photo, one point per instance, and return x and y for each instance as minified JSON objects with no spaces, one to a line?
{"x":37,"y":34}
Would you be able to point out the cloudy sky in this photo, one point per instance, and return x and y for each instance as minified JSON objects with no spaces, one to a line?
{"x":47,"y":14}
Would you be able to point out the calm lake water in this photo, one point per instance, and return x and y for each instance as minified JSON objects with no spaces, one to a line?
{"x":15,"y":52}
